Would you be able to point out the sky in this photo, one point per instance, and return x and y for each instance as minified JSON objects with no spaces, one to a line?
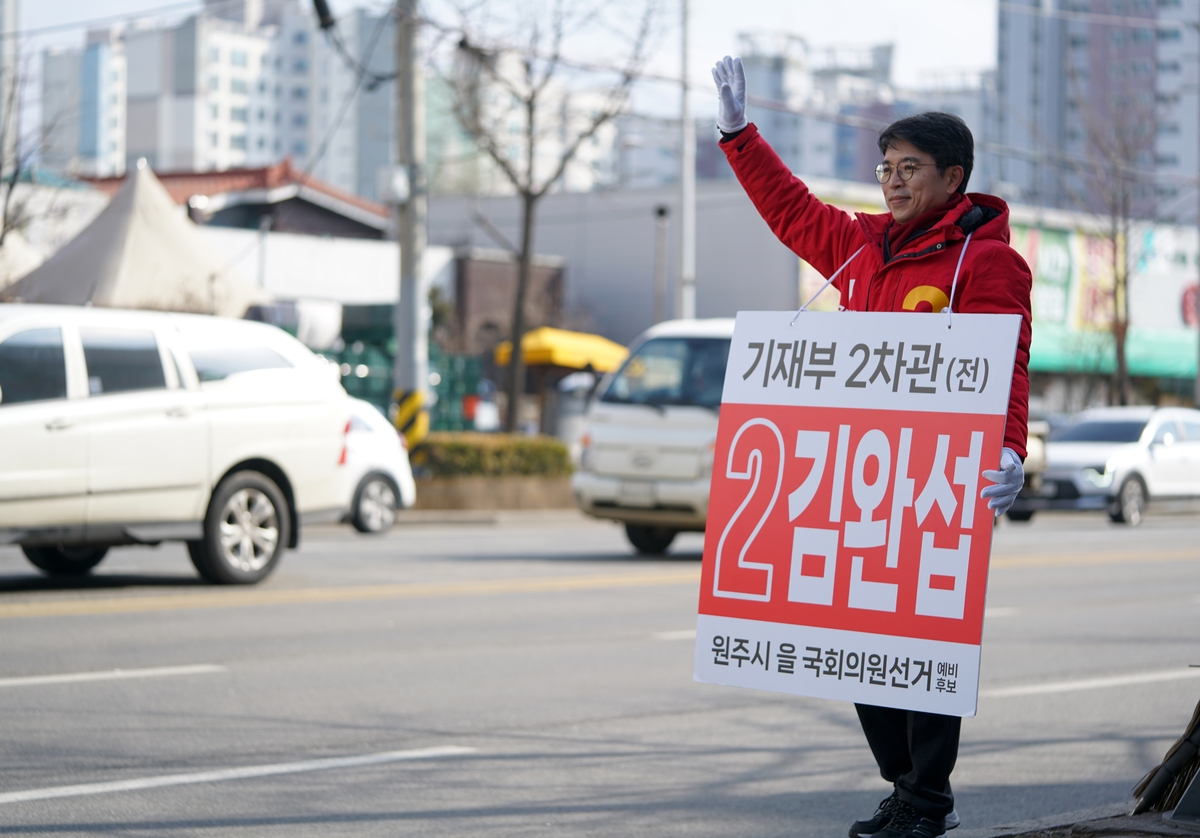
{"x":931,"y":37}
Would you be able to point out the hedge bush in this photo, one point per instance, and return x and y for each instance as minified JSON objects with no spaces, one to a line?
{"x":451,"y":454}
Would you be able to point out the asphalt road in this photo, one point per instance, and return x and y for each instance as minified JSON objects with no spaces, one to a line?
{"x":533,"y":677}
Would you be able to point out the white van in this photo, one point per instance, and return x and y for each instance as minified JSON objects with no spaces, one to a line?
{"x":134,"y":427}
{"x":647,"y":449}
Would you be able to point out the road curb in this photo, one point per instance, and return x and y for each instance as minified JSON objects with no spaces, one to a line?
{"x":1112,"y":821}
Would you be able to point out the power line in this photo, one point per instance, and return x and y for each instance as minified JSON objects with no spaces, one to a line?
{"x":89,"y":23}
{"x":333,"y":36}
{"x":349,"y":98}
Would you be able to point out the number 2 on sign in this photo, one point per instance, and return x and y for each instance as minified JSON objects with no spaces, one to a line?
{"x":756,"y":451}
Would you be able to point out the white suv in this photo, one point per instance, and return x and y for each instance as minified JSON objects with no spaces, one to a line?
{"x":123,"y":427}
{"x":647,"y":448}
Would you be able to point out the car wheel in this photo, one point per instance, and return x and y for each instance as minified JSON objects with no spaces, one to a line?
{"x":65,"y":559}
{"x":1131,"y":502}
{"x":245,"y":530}
{"x":649,"y":541}
{"x":375,"y":504}
{"x":1019,"y":515}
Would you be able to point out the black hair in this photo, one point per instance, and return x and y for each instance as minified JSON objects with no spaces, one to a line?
{"x":943,"y":136}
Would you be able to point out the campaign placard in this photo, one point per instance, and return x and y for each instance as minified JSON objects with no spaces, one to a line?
{"x":846,"y":550}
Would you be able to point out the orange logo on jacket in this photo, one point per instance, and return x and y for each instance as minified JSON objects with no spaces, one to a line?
{"x":925,"y":298}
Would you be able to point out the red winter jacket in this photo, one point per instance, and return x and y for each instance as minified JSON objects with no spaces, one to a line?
{"x":994,"y":279}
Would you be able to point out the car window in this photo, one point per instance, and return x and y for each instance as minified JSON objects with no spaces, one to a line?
{"x":1191,"y":431}
{"x":1096,"y":430}
{"x":216,"y":363}
{"x":32,"y":367}
{"x":672,"y":371}
{"x":121,"y":360}
{"x":1165,"y":430}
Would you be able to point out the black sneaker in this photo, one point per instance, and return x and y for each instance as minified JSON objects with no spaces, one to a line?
{"x":881,"y":818}
{"x":907,"y":822}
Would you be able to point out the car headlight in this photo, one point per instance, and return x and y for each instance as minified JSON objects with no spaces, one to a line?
{"x":1099,"y":476}
{"x":706,"y":458}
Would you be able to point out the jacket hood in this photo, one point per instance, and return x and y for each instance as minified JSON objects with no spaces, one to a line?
{"x":984,"y":215}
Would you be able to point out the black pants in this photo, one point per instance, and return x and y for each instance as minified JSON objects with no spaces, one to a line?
{"x":916,"y":752}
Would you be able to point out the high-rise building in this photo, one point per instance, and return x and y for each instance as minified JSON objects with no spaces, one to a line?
{"x":816,"y":86}
{"x":242,"y":84}
{"x":1097,"y":103}
{"x":199,"y":95}
{"x":83,"y":106}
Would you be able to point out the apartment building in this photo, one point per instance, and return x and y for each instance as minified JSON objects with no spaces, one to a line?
{"x":1086,"y":88}
{"x":240,"y":85}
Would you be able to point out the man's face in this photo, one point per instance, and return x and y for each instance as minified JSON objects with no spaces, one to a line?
{"x":907,"y":199}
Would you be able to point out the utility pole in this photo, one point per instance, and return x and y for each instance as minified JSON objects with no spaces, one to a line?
{"x":687,"y":181}
{"x":410,"y":373}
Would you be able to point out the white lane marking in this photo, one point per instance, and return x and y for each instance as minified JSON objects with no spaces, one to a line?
{"x":682,"y":634}
{"x":221,"y":774}
{"x":1091,"y":683}
{"x":1001,"y":611}
{"x":112,"y":675}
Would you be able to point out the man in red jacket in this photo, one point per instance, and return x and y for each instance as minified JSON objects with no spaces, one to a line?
{"x":937,"y":248}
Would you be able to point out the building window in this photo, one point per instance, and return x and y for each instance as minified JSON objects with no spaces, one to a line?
{"x":276,"y":146}
{"x":214,"y":139}
{"x":239,"y":115}
{"x":214,"y":55}
{"x":262,"y":115}
{"x":300,"y":93}
{"x":238,"y":143}
{"x":300,"y":38}
{"x":262,"y":86}
{"x":239,"y":86}
{"x":262,"y":143}
{"x":1166,"y":160}
{"x":214,"y":112}
{"x":238,"y":58}
{"x":1168,"y":67}
{"x":300,"y":120}
{"x":214,"y":83}
{"x":300,"y":66}
{"x":300,"y":148}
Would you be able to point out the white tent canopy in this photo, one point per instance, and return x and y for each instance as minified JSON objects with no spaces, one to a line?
{"x":141,"y":252}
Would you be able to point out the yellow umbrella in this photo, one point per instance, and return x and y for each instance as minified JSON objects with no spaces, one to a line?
{"x":560,"y":348}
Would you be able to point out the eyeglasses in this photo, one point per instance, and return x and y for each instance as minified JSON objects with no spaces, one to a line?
{"x":883,"y":172}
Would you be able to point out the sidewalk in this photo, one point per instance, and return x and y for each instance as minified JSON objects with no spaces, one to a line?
{"x":1111,"y":821}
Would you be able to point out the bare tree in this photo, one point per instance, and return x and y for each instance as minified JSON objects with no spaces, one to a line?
{"x":513,"y":101}
{"x":18,"y":154}
{"x":1118,"y":112}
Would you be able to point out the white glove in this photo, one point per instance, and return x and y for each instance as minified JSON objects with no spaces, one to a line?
{"x":1006,"y":482}
{"x":731,"y":84}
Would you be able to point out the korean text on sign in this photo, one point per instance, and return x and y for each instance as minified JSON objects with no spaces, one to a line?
{"x":846,"y":548}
